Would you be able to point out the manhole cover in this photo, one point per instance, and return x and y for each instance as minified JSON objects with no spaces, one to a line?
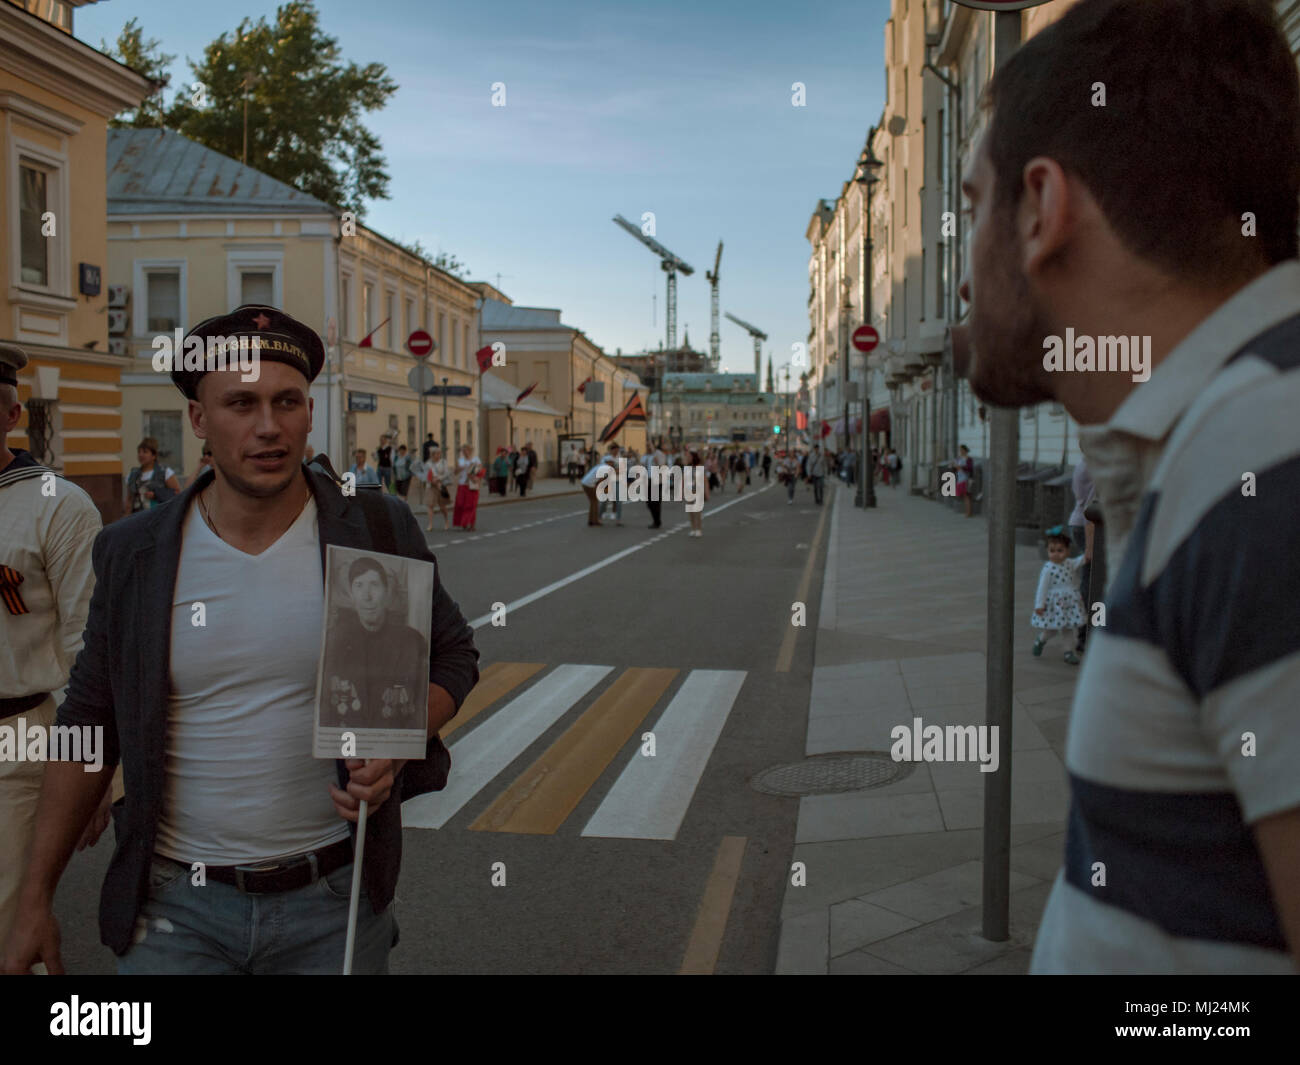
{"x":827,"y":774}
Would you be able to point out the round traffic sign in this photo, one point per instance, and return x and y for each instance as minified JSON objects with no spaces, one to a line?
{"x":419,"y":343}
{"x":865,"y":338}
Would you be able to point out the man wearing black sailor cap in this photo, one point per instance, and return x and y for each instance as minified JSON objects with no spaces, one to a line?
{"x":200,"y":661}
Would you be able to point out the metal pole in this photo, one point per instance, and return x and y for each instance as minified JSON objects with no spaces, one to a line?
{"x":866,"y":491}
{"x":1000,"y":491}
{"x":443,"y":442}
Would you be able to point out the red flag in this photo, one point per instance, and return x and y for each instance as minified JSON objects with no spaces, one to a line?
{"x":583,"y":387}
{"x":800,"y":420}
{"x":365,"y":340}
{"x":524,"y":394}
{"x":826,"y":428}
{"x":484,"y":356}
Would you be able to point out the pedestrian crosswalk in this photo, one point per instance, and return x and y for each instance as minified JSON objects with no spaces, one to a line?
{"x":650,"y":797}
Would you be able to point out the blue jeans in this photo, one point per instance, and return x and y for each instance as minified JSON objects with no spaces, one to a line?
{"x":819,"y":486}
{"x":386,"y":476}
{"x":218,"y":929}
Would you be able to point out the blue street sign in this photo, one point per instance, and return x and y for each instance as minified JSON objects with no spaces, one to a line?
{"x":449,"y":390}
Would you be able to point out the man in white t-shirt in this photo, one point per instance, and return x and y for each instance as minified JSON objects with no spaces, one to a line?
{"x":235,"y":846}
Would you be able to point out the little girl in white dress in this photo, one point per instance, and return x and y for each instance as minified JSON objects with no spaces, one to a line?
{"x":1058,"y":607}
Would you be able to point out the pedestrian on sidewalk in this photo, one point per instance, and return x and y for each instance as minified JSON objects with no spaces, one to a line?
{"x":500,"y":473}
{"x":788,"y":472}
{"x":1182,"y":746}
{"x":469,"y":480}
{"x":150,"y":484}
{"x":767,"y":465}
{"x":426,"y":449}
{"x":435,"y":479}
{"x":965,"y":469}
{"x":1057,"y":606}
{"x":214,"y":735}
{"x":360,"y":471}
{"x":817,"y":473}
{"x":615,"y":505}
{"x":523,"y":466}
{"x":384,"y":462}
{"x":402,"y":472}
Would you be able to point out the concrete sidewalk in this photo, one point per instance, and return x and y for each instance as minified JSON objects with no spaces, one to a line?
{"x":894,"y":872}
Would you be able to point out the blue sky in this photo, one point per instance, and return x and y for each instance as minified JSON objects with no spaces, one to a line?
{"x":679,"y":108}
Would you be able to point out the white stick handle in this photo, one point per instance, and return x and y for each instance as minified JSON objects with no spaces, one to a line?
{"x":356,"y":889}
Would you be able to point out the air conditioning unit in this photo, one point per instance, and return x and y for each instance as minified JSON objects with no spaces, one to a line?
{"x":117,"y":295}
{"x":117,"y":345}
{"x":117,"y":321}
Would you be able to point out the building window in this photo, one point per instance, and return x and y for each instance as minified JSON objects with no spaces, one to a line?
{"x":455,"y":343}
{"x":464,"y":346}
{"x":33,"y":203}
{"x":412,"y":323}
{"x":368,"y":308}
{"x":345,"y":310}
{"x":442,"y":338}
{"x":163,"y":300}
{"x":257,"y":286}
{"x":165,"y":427}
{"x":469,"y":433}
{"x":392,"y":321}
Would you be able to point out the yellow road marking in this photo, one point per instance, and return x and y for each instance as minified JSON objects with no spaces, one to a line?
{"x":494,"y":681}
{"x":546,"y":792}
{"x":715,"y":907}
{"x":786,"y":655}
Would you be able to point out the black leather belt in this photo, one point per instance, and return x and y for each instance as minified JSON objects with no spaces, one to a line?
{"x":9,"y":707}
{"x":287,"y":874}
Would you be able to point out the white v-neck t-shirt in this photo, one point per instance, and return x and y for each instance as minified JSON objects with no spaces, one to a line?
{"x":241,"y":784}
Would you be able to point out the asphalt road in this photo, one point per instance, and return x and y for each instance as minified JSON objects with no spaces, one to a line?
{"x":561,"y":845}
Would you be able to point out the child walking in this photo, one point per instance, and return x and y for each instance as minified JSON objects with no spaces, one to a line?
{"x":1057,"y":604}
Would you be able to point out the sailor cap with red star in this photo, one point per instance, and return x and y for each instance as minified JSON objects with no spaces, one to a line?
{"x":280,"y":338}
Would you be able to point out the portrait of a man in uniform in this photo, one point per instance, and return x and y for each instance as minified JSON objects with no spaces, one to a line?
{"x":375,"y":672}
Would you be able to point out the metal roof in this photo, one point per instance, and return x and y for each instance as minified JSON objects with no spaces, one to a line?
{"x":498,"y":315}
{"x":159,"y":171}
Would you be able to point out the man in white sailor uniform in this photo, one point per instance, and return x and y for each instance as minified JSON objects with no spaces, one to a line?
{"x":47,"y":528}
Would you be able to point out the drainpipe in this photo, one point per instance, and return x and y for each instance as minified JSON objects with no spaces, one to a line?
{"x":954,"y":248}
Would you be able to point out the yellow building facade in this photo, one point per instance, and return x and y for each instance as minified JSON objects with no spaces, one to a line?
{"x":56,"y":97}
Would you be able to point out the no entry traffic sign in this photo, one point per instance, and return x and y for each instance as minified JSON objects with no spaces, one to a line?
{"x":865,"y":338}
{"x":419,"y":343}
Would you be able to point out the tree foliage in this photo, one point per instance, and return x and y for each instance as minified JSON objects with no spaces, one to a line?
{"x":305,"y":104}
{"x":144,"y":57}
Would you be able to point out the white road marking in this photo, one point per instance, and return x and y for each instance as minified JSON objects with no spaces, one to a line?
{"x":651,"y":796}
{"x":488,"y":749}
{"x":595,"y":567}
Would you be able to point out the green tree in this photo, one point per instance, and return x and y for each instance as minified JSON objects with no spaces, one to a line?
{"x":304,"y":107}
{"x":144,"y":58}
{"x":448,"y":262}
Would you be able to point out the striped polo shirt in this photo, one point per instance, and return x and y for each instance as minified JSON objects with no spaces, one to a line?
{"x":1185,"y":728}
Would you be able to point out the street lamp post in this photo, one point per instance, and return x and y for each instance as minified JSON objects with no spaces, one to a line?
{"x":868,"y":164}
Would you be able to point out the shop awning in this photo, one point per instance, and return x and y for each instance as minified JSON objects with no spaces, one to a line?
{"x":880,"y":420}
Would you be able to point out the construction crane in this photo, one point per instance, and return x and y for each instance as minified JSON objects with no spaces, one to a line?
{"x":759,"y":336}
{"x":671,"y":265}
{"x":714,"y":339}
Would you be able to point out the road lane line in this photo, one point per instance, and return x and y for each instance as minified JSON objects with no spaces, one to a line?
{"x":498,"y":741}
{"x":495,"y":681}
{"x":651,"y":796}
{"x":544,"y":794}
{"x":715,"y":907}
{"x":785,"y":656}
{"x":595,"y":567}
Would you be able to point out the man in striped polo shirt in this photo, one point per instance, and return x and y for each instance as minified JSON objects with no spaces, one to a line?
{"x":1097,"y":210}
